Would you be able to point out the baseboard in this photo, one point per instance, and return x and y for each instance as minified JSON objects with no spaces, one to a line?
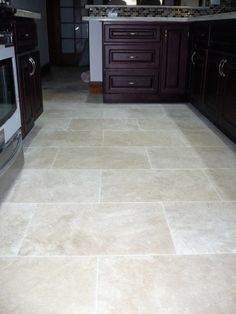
{"x":45,"y":69}
{"x":96,"y":88}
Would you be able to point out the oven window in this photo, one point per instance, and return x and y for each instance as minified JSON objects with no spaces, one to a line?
{"x":7,"y":91}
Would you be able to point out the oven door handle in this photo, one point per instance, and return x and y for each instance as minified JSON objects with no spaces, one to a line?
{"x":31,"y":60}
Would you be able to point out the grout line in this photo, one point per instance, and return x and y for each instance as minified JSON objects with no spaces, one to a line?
{"x":97,"y":286}
{"x":168,"y":224}
{"x":148,"y":158}
{"x":100,"y":189}
{"x":54,"y":159}
{"x":212,"y":183}
{"x":26,"y":231}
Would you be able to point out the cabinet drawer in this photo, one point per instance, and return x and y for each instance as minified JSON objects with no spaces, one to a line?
{"x":131,"y":81}
{"x":132,"y":56}
{"x":25,"y":35}
{"x":131,"y":33}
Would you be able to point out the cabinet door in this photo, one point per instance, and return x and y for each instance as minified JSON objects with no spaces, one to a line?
{"x":25,"y":70}
{"x":228,"y":97}
{"x":174,"y":59}
{"x":212,"y":86}
{"x":198,"y":75}
{"x":36,"y":87}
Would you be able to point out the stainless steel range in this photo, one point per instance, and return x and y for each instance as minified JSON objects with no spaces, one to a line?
{"x":10,"y":122}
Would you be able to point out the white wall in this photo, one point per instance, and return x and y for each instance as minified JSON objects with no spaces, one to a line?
{"x":37,"y":6}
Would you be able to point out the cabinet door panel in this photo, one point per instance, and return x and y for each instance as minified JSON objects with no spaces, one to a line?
{"x":37,"y":102}
{"x":228,"y":98}
{"x":174,"y":59}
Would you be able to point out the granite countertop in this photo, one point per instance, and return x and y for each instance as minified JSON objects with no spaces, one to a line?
{"x":222,"y":16}
{"x":27,"y":14}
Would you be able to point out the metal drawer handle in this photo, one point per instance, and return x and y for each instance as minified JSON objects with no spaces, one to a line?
{"x":131,"y":83}
{"x":26,"y":35}
{"x":31,"y":60}
{"x":133,"y":57}
{"x":192,"y":57}
{"x":132,"y":33}
{"x":222,"y":67}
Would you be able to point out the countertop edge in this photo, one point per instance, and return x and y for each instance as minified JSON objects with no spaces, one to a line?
{"x":28,"y":14}
{"x":221,"y":16}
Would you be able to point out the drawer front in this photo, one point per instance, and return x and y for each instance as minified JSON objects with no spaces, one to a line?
{"x":25,"y":36}
{"x":131,"y":33}
{"x":132,"y":56}
{"x":131,"y":81}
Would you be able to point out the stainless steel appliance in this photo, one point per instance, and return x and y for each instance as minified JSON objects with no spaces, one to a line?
{"x":10,"y":122}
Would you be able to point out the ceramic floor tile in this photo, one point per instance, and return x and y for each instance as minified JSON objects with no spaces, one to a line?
{"x":151,"y":186}
{"x":39,"y":158}
{"x":54,"y":138}
{"x":132,"y":113}
{"x":203,"y":138}
{"x":101,"y":158}
{"x":80,"y":113}
{"x":225,"y":182}
{"x":14,"y":219}
{"x":51,"y":123}
{"x":108,"y":229}
{"x":174,"y":158}
{"x":217,"y":157}
{"x":203,"y":228}
{"x":143,"y":138}
{"x":43,"y":186}
{"x":167,"y":284}
{"x":48,"y":285}
{"x":103,"y":124}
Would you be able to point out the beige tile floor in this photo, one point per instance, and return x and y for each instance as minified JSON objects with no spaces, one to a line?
{"x":120,"y":209}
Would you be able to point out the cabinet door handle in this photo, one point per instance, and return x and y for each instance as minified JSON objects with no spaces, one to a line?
{"x":222,"y":67}
{"x":192,"y":57}
{"x":132,"y":33}
{"x":31,"y":60}
{"x":133,"y":57}
{"x":131,"y":83}
{"x":166,"y":35}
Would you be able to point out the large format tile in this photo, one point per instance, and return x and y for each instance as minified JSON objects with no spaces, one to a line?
{"x":52,"y":123}
{"x":167,"y":284}
{"x":42,"y":186}
{"x":143,"y":138}
{"x":201,"y":228}
{"x":151,"y":186}
{"x":55,"y":138}
{"x":103,"y":124}
{"x":224,"y":181}
{"x":98,"y":230}
{"x":48,"y":285}
{"x":124,"y":112}
{"x":174,"y":158}
{"x":39,"y":157}
{"x":14,"y":219}
{"x":101,"y":157}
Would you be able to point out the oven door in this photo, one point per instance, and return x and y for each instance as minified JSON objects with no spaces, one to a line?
{"x":9,"y":102}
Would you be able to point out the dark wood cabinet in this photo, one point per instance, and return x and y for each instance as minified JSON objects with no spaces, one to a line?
{"x":197,"y":77}
{"x":227,"y":106}
{"x":174,"y":59}
{"x":30,"y":91}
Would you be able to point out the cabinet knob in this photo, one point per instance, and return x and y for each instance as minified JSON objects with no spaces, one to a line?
{"x":132,"y":33}
{"x":131,"y":83}
{"x":132,"y":57}
{"x":26,"y":35}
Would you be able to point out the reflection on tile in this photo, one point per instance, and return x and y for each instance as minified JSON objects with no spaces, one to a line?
{"x":167,"y":284}
{"x":14,"y":219}
{"x":143,"y":138}
{"x":174,"y":158}
{"x":56,"y":138}
{"x":42,"y":186}
{"x":39,"y":158}
{"x":225,"y":182}
{"x":98,"y":229}
{"x":151,"y":186}
{"x":201,"y":228}
{"x":48,"y":285}
{"x":101,"y":158}
{"x":217,"y":157}
{"x":103,"y":124}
